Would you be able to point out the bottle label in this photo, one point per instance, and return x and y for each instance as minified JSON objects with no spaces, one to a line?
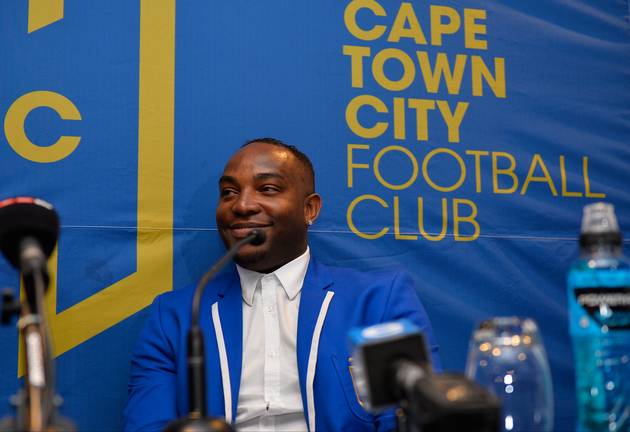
{"x":608,"y":306}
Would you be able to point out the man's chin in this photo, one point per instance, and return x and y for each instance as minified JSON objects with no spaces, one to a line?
{"x":251,"y":258}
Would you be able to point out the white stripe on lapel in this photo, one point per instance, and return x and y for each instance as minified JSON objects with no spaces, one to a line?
{"x":223,"y":360}
{"x":312,"y":361}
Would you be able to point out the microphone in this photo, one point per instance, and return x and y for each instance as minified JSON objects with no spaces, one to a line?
{"x":196,"y":419}
{"x":259,"y":237}
{"x":27,"y":217}
{"x":29,"y":228}
{"x":375,"y":349}
{"x":391,"y":367}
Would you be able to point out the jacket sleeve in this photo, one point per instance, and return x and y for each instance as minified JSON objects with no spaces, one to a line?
{"x":403,"y":302}
{"x":151,"y":402}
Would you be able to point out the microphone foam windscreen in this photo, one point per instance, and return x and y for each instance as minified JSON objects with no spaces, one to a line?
{"x":259,"y":237}
{"x":24,"y":217}
{"x":375,"y":349}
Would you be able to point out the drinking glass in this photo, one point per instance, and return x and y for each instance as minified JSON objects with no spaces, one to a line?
{"x":507,"y":356}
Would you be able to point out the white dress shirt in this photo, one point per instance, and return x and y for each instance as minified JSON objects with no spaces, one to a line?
{"x":269,"y":397}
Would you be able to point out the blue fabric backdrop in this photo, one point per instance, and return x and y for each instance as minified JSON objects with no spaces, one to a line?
{"x":528,"y":122}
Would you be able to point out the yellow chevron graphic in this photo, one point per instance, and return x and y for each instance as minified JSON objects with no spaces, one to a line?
{"x":42,"y":13}
{"x":154,"y":244}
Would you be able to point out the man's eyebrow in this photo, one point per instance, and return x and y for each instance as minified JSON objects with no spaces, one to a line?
{"x":227,"y":179}
{"x":264,"y":176}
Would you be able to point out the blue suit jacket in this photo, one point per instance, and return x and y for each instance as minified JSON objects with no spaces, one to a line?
{"x":337,"y":298}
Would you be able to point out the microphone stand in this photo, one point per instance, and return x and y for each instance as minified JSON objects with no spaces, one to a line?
{"x":37,"y":402}
{"x":197,"y":420}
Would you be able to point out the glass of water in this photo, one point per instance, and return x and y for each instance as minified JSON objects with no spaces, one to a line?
{"x":507,"y":356}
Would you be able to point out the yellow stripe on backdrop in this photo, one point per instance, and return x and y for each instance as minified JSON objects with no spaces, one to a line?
{"x":43,"y":12}
{"x":154,"y":246}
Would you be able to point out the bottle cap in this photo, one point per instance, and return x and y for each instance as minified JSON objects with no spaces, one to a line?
{"x":599,"y":225}
{"x":599,"y":218}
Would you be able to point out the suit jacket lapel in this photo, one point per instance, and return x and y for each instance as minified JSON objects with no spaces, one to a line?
{"x":313,"y":292}
{"x":231,"y":315}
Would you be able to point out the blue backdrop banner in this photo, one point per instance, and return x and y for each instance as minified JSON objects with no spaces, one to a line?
{"x":455,"y":139}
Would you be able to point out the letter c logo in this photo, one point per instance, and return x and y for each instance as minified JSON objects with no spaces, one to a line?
{"x":16,"y":136}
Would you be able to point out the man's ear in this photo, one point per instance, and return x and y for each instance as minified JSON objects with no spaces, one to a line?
{"x":312,"y":206}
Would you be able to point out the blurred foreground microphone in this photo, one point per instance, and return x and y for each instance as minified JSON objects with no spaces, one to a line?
{"x":29,"y":228}
{"x":391,"y":367}
{"x":196,"y":421}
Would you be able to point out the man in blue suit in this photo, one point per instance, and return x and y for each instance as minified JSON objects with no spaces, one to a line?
{"x":276,"y":322}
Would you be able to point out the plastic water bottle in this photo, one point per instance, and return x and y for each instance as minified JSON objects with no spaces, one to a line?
{"x":599,"y":309}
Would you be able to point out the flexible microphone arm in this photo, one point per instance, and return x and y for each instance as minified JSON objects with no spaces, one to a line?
{"x":255,"y":237}
{"x":196,"y":419}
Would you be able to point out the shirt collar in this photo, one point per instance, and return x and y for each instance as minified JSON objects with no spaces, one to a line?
{"x":291,"y":277}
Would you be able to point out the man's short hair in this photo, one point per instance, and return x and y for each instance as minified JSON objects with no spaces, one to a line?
{"x":300,"y":156}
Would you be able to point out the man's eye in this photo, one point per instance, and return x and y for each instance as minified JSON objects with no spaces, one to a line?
{"x":270,"y":189}
{"x":227,"y":193}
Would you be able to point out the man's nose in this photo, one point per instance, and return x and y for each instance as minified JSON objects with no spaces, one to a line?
{"x":246,"y":204}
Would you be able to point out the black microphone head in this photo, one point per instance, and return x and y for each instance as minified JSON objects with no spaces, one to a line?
{"x":258,"y":238}
{"x":376,"y":350}
{"x":24,"y":217}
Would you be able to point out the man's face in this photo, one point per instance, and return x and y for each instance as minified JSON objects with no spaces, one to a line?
{"x":265,"y":186}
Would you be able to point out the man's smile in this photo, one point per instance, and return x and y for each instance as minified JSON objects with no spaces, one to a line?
{"x":242,"y":229}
